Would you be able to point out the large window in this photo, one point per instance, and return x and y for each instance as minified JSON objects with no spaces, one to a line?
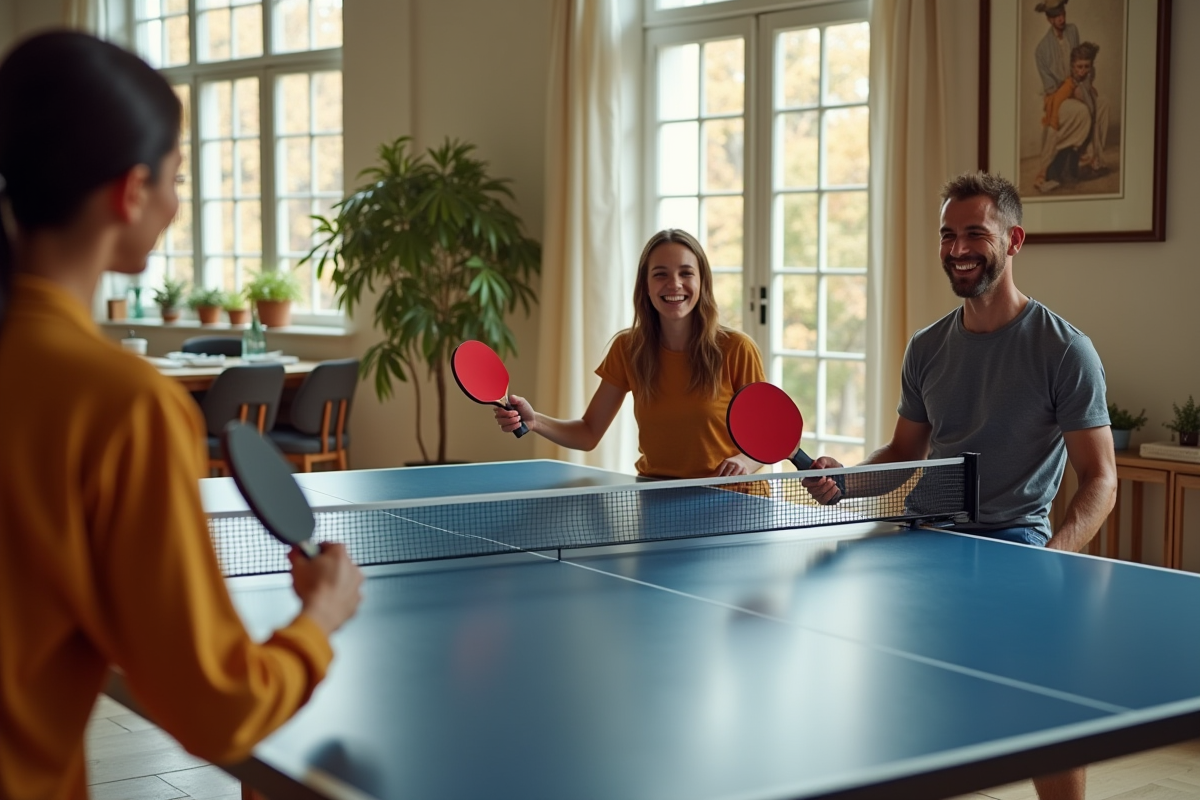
{"x":261,"y":85}
{"x":757,"y":126}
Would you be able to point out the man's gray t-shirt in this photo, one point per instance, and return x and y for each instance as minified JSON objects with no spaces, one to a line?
{"x":1008,"y":395}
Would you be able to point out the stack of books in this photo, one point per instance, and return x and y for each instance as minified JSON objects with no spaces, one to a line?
{"x":1170,"y":451}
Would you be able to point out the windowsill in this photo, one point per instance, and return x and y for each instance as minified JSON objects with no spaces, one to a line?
{"x":216,"y":327}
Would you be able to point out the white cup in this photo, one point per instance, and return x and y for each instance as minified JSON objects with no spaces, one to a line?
{"x":134,"y":346}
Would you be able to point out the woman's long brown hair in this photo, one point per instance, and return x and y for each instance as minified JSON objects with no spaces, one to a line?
{"x":645,"y":337}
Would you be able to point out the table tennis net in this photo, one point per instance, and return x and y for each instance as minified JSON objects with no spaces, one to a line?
{"x":560,"y":519}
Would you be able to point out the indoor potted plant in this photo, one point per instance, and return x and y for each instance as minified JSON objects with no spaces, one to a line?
{"x":1186,"y":423}
{"x":206,"y":302}
{"x":1123,"y":425}
{"x":168,"y":297}
{"x":237,"y":308}
{"x":430,"y":233}
{"x":273,"y":292}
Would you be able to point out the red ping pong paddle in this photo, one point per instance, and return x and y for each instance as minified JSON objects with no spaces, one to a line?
{"x":482,"y":376}
{"x":765,"y":424}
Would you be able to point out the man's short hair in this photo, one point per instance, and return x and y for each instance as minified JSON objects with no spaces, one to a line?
{"x":1085,"y":51}
{"x":1002,"y":193}
{"x":1052,"y":8}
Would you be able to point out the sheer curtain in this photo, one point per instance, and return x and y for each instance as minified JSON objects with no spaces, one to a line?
{"x":909,"y":164}
{"x":585,"y":290}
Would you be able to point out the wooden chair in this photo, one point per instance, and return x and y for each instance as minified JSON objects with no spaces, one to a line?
{"x":230,"y":346}
{"x":320,"y":413}
{"x":248,"y":393}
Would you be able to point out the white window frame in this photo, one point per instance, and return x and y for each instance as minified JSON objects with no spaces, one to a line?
{"x":266,"y":68}
{"x":756,"y":21}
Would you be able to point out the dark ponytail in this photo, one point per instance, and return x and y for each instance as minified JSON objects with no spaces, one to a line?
{"x":75,"y":113}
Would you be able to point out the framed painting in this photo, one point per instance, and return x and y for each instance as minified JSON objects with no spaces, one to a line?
{"x":1073,"y":110}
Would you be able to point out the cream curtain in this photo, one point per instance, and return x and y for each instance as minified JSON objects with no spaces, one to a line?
{"x":86,"y":15}
{"x":909,"y":165}
{"x":584,"y":296}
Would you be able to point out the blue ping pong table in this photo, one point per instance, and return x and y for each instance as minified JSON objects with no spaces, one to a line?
{"x":859,"y":660}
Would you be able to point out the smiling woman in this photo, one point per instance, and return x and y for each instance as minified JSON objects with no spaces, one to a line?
{"x":681,"y":365}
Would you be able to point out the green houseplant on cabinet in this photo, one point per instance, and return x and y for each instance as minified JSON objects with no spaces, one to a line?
{"x":168,"y":297}
{"x":430,"y":234}
{"x":237,"y":308}
{"x":206,"y":302}
{"x":273,"y":293}
{"x":1123,"y":425}
{"x":1186,"y":423}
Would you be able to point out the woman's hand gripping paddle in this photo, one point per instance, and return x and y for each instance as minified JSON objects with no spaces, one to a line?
{"x":765,"y":424}
{"x":482,"y":376}
{"x":262,"y":475}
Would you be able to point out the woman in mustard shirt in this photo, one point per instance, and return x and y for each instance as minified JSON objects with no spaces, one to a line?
{"x":106,"y":555}
{"x":682,"y":367}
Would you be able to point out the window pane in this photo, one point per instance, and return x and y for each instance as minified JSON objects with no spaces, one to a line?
{"x":800,"y":382}
{"x":846,"y":234}
{"x":327,"y":24}
{"x":292,"y":101}
{"x":291,"y":26}
{"x":213,"y":35}
{"x":249,"y":220}
{"x":845,"y":398}
{"x":249,"y":178}
{"x":246,"y":103}
{"x":799,"y":312}
{"x":679,"y":82}
{"x":327,"y":163}
{"x":799,"y":148}
{"x":798,"y":230}
{"x":679,"y":212}
{"x":724,"y":155}
{"x":178,"y":48}
{"x":727,"y":287}
{"x":798,"y":68}
{"x":846,"y":313}
{"x":724,"y":76}
{"x":846,"y":147}
{"x":327,"y":102}
{"x":723,"y":231}
{"x":848,"y":56}
{"x":678,"y":163}
{"x":247,"y":31}
{"x":295,"y":226}
{"x":295,"y":165}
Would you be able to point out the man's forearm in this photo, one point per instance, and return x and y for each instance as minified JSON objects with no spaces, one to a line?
{"x":1087,"y":511}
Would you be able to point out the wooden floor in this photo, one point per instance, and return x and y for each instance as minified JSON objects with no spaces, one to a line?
{"x":130,"y":759}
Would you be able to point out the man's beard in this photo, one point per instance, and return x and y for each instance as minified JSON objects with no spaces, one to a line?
{"x":991,"y":267}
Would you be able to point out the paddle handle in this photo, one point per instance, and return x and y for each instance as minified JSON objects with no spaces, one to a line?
{"x":521,"y":431}
{"x":310,"y":548}
{"x":802,"y":462}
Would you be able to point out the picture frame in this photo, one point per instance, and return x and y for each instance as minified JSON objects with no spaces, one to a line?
{"x":1080,"y":180}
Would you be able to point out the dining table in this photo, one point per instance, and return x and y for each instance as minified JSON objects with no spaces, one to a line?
{"x":199,"y":377}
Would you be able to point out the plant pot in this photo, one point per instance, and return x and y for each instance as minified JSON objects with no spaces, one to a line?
{"x":209,"y":315}
{"x":169,"y":314}
{"x":1189,"y":438}
{"x":1121,"y":438}
{"x":275,"y":313}
{"x":238,"y":316}
{"x":117,"y":309}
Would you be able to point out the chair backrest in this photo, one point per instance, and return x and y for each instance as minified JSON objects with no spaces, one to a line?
{"x":213,"y":345}
{"x":329,"y":381}
{"x":253,"y":386}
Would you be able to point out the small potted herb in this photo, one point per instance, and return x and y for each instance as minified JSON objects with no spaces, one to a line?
{"x":1186,"y":423}
{"x":207,"y":302}
{"x":169,"y":296}
{"x":237,"y":308}
{"x":273,"y":293}
{"x":1123,"y":424}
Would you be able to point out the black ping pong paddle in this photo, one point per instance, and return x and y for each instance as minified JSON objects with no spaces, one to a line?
{"x":765,"y":424}
{"x":482,"y":376}
{"x":262,"y":476}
